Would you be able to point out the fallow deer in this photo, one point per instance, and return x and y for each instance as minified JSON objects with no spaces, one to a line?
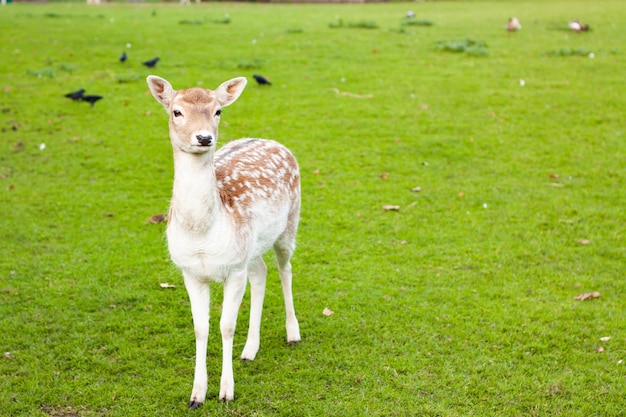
{"x":228,"y":208}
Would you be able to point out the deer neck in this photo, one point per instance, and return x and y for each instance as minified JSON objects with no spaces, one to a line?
{"x":195,"y":202}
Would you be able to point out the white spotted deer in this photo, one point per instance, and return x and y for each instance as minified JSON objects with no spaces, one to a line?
{"x":228,"y":208}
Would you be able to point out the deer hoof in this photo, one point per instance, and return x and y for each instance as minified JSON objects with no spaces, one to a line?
{"x":193,"y":405}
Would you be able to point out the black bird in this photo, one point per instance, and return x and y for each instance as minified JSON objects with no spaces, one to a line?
{"x":261,"y":80}
{"x":151,"y":63}
{"x":76,"y":95}
{"x":124,"y":57}
{"x":91,"y":99}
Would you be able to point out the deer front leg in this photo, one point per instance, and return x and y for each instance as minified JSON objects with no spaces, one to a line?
{"x":234,"y":288}
{"x":199,"y":297}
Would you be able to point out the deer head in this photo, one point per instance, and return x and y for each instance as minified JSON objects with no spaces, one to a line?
{"x":194,"y":112}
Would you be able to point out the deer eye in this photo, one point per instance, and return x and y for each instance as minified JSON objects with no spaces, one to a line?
{"x":217,"y":113}
{"x":177,"y":113}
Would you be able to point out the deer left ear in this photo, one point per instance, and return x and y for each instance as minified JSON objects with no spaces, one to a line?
{"x":230,"y":90}
{"x":161,"y":89}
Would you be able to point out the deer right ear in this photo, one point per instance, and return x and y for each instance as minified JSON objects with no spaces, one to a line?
{"x":230,"y":90}
{"x":161,"y":90}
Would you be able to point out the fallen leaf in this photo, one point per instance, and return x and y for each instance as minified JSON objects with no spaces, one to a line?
{"x":166,"y":285}
{"x":384,"y":175}
{"x":605,"y":339}
{"x":416,"y":189}
{"x":7,"y":355}
{"x":18,"y":146}
{"x":600,"y":349}
{"x":462,"y":194}
{"x":347,"y":94}
{"x":390,"y":207}
{"x":5,"y":172}
{"x":554,"y":176}
{"x":583,"y":241}
{"x":423,"y":106}
{"x":327,"y":312}
{"x":316,"y":172}
{"x":587,"y":296}
{"x":158,"y":218}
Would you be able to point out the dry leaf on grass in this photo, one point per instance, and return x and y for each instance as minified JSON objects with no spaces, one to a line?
{"x":583,"y":241}
{"x":390,"y":207}
{"x":587,"y":296}
{"x":600,"y":349}
{"x":384,"y":175}
{"x":166,"y":285}
{"x":327,"y":312}
{"x":345,"y":93}
{"x":158,"y":218}
{"x":605,"y":339}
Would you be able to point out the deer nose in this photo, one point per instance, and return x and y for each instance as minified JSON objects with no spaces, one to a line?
{"x":204,"y":140}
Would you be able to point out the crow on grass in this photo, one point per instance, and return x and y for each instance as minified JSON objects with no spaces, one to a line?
{"x":151,"y":63}
{"x":76,"y":95}
{"x":261,"y":80}
{"x":91,"y":99}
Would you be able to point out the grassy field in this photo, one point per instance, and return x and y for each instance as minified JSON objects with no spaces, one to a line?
{"x":462,"y":302}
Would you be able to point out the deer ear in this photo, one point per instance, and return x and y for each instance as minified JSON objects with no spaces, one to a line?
{"x":161,"y":90}
{"x":230,"y":90}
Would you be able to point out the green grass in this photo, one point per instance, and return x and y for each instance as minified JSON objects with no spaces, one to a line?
{"x":460,"y":303}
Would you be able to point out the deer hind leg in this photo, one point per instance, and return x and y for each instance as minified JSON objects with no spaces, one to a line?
{"x":234,"y":288}
{"x":284,"y":248}
{"x":257,"y":274}
{"x":199,"y":297}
